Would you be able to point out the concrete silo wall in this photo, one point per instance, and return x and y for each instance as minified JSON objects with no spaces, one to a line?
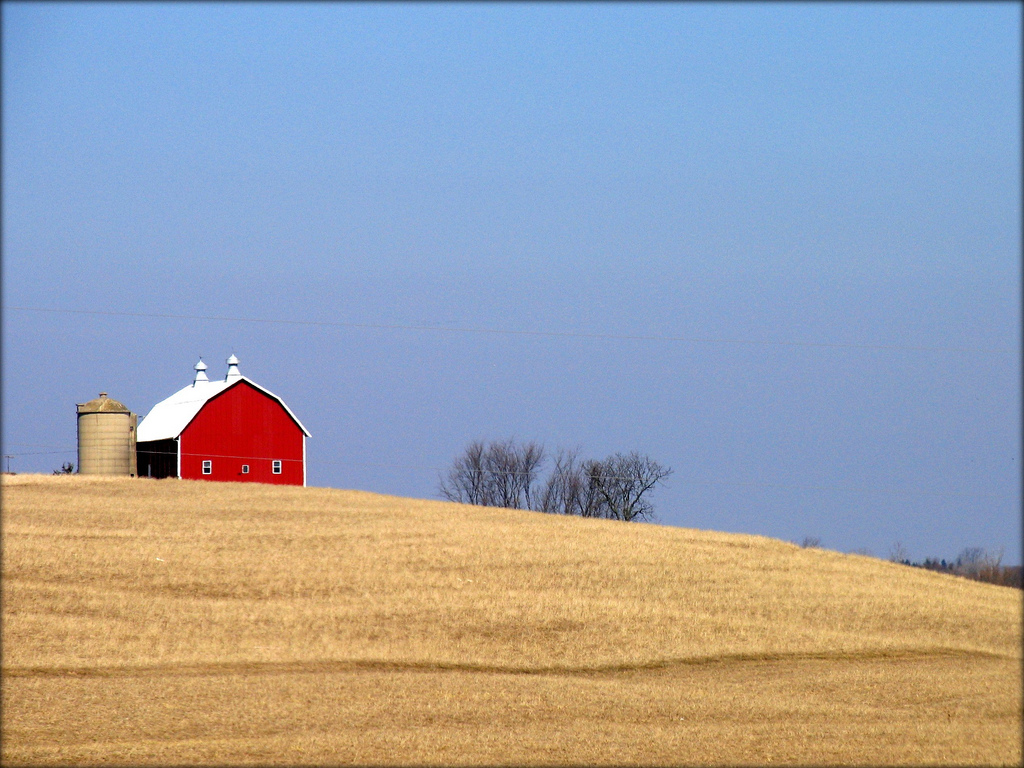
{"x":106,"y":443}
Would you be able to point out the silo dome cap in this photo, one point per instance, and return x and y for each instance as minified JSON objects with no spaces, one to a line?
{"x":103,"y":404}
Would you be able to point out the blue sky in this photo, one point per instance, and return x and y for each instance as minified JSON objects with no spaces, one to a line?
{"x":812,"y":212}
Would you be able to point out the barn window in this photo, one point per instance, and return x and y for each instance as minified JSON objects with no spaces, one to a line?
{"x":245,"y":469}
{"x":207,"y":467}
{"x":277,"y":466}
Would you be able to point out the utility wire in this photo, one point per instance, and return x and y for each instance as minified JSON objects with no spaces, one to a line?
{"x":40,"y":453}
{"x":507,"y":332}
{"x":688,"y":481}
{"x":543,"y":334}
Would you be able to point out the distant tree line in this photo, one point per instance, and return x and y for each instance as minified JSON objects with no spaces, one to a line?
{"x":509,"y":474}
{"x":972,"y":563}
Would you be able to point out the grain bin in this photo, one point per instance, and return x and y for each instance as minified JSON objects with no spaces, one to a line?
{"x":106,"y":438}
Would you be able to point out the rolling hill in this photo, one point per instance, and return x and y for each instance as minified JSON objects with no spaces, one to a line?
{"x":196,"y":622}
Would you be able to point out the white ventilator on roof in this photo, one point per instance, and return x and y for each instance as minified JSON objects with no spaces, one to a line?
{"x":168,"y":418}
{"x":232,"y":368}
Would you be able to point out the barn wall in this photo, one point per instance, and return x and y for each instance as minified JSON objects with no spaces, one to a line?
{"x":243,"y":426}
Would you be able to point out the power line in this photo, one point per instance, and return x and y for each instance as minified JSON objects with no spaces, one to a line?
{"x":521,"y":333}
{"x":35,"y":445}
{"x":684,"y":481}
{"x":40,"y":453}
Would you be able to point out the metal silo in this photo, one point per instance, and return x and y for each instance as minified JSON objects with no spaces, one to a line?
{"x":106,"y":438}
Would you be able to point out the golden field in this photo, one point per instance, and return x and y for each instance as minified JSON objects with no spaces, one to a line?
{"x":191,"y":622}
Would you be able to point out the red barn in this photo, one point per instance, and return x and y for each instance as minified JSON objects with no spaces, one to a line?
{"x":231,"y":430}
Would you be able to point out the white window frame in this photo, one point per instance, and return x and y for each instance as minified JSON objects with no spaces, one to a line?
{"x":207,"y":467}
{"x":245,"y":469}
{"x":275,"y":466}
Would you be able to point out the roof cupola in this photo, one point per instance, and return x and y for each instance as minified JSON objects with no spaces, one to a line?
{"x":232,"y":369}
{"x":200,"y":372}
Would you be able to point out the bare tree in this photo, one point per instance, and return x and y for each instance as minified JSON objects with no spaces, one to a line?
{"x":898,"y":553}
{"x":531,"y":458}
{"x":510,"y":472}
{"x":975,"y":563}
{"x":623,"y":481}
{"x":562,"y":486}
{"x":504,"y":474}
{"x":500,"y":465}
{"x":568,"y":490}
{"x":465,"y":481}
{"x":501,"y":474}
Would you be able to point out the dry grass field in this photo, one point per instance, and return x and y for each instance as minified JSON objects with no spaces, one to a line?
{"x":156,"y":622}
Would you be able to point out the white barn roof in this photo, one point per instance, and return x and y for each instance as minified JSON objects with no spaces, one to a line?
{"x":168,"y":418}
